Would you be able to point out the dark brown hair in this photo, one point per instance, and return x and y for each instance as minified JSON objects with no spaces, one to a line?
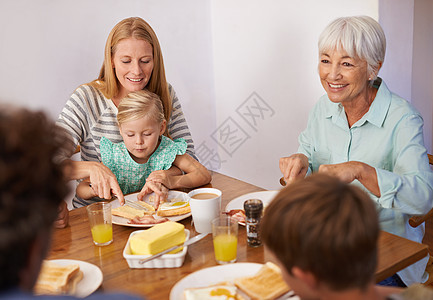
{"x":325,"y":227}
{"x":31,"y":186}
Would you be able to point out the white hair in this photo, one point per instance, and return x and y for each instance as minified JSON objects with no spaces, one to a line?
{"x":359,"y":36}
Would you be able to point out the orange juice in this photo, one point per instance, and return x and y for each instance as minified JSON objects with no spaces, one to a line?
{"x":225,"y":246}
{"x":102,"y":233}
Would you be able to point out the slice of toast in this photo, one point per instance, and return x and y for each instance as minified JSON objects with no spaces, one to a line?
{"x":266,"y":284}
{"x":147,"y":206}
{"x":55,"y":279}
{"x":129,"y":212}
{"x":173,"y":211}
{"x":73,"y":282}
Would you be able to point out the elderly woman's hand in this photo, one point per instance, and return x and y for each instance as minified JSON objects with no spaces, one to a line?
{"x":104,"y":182}
{"x":294,"y":167}
{"x":161,"y":192}
{"x":346,"y":172}
{"x":351,"y":170}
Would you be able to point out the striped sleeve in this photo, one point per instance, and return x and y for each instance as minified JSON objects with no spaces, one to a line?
{"x":86,"y":117}
{"x":178,"y":127}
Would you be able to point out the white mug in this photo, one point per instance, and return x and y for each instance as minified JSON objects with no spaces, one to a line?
{"x":204,"y":210}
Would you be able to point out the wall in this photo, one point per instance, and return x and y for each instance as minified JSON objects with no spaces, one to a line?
{"x":48,"y":48}
{"x":265,"y":60}
{"x":422,"y":70}
{"x":408,"y":67}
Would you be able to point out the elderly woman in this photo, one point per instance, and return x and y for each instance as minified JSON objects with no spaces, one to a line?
{"x":363,"y":133}
{"x":132,"y":62}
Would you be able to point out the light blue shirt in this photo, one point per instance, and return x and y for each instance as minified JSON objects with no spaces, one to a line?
{"x":389,"y":137}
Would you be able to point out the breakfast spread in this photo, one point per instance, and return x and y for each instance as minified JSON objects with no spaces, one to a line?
{"x":145,"y":213}
{"x":267,"y":283}
{"x":55,"y":279}
{"x":158,"y":238}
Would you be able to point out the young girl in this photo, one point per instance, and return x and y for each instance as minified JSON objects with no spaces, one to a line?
{"x":145,"y":149}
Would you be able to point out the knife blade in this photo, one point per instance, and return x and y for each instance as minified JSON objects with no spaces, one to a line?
{"x":186,"y":243}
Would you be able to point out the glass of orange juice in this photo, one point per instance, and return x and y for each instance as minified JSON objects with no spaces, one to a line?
{"x":100,"y":223}
{"x":225,"y":239}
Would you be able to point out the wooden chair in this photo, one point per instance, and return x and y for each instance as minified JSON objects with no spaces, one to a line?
{"x":415,"y":221}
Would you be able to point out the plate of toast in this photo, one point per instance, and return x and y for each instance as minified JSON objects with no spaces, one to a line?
{"x":135,"y":213}
{"x":68,"y":277}
{"x":235,"y":281}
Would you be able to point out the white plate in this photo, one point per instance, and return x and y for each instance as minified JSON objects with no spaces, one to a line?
{"x":238,"y":203}
{"x":214,"y":275}
{"x":92,"y":276}
{"x":133,"y":197}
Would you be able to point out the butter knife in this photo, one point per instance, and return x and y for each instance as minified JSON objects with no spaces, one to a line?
{"x":186,"y":243}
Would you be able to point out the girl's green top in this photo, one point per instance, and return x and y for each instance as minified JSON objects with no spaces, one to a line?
{"x":131,"y":175}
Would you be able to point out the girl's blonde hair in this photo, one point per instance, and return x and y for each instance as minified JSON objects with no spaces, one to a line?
{"x":138,"y":105}
{"x":107,"y":81}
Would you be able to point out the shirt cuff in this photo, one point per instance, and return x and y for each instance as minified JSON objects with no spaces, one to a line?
{"x":389,"y":184}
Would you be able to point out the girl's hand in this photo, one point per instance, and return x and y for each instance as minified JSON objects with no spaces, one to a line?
{"x":294,"y":167}
{"x":161,"y":192}
{"x":162,"y":177}
{"x":104,"y":182}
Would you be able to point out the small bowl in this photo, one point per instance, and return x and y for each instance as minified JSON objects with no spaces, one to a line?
{"x":165,"y":261}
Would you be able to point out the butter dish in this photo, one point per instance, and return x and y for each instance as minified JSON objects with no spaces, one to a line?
{"x":165,"y":261}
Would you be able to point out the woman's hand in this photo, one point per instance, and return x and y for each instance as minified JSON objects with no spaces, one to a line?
{"x":100,"y":177}
{"x":294,"y":167}
{"x":104,"y":182}
{"x":161,"y":192}
{"x":63,"y":216}
{"x":346,"y":172}
{"x":351,"y":170}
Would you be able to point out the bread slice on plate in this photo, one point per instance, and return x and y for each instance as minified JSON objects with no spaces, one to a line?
{"x":147,"y":206}
{"x":266,"y":284}
{"x":130,"y":212}
{"x":167,"y":210}
{"x":55,"y":279}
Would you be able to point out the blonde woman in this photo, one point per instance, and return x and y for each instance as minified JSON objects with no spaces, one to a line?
{"x":132,"y":62}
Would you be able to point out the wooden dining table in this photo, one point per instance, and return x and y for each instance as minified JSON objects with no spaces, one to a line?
{"x":75,"y":242}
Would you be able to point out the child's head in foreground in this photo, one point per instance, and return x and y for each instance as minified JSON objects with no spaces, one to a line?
{"x":323,"y":232}
{"x":141,"y":123}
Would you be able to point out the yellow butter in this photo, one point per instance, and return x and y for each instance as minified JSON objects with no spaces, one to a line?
{"x":158,"y":238}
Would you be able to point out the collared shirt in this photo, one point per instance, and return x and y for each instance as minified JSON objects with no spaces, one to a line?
{"x":389,"y":137}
